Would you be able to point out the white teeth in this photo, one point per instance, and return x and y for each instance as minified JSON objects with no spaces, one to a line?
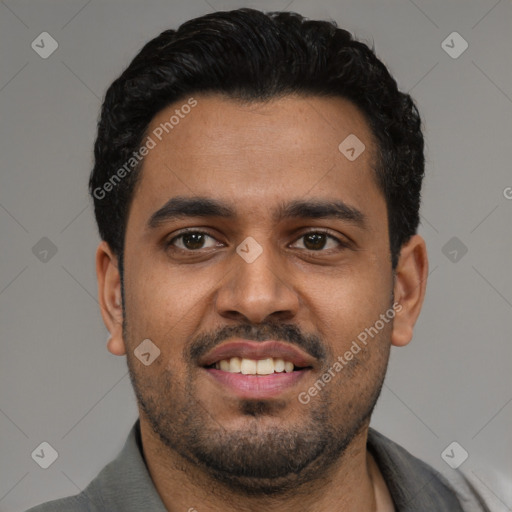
{"x":279,"y":365}
{"x":254,"y":367}
{"x":265,"y":366}
{"x":248,"y":367}
{"x":235,"y":365}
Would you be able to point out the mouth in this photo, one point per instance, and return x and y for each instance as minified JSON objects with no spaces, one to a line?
{"x":245,"y":366}
{"x":257,"y":370}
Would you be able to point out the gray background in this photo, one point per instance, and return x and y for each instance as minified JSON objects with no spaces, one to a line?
{"x":58,"y":382}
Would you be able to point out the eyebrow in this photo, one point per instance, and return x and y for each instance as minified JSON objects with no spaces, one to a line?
{"x":182,"y":207}
{"x":322,"y":209}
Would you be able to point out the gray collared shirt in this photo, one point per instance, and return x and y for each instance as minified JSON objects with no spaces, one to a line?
{"x":124,"y":485}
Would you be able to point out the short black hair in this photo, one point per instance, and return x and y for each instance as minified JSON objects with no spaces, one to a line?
{"x":250,"y":55}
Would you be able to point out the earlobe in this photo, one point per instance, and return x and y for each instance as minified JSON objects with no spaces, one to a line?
{"x":109,"y":295}
{"x":409,"y":289}
{"x":115,"y":345}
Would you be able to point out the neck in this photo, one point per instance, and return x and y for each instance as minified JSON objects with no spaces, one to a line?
{"x":346,"y":485}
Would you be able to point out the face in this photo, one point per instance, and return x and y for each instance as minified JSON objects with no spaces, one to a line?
{"x":254,"y":243}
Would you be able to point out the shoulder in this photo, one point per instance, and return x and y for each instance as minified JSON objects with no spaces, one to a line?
{"x":415,"y":485}
{"x":78,"y":503}
{"x":123,"y":484}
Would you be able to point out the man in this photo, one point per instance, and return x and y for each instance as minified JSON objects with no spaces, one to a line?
{"x":257,"y":187}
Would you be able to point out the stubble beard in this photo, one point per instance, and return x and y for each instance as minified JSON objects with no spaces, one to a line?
{"x":260,"y":459}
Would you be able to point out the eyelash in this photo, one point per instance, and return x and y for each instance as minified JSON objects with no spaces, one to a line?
{"x":340,"y":243}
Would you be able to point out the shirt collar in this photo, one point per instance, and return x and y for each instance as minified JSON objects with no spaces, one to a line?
{"x":413,"y":485}
{"x":125,"y":483}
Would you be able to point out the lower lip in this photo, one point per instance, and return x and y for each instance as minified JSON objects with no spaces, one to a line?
{"x":257,"y":386}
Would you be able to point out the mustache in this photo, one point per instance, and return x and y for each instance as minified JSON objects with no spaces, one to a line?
{"x":290,"y":333}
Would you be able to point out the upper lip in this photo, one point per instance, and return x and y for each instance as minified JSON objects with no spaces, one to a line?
{"x":257,"y":350}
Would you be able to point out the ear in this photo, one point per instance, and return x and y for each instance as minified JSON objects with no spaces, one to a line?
{"x":109,"y":294}
{"x":409,"y":288}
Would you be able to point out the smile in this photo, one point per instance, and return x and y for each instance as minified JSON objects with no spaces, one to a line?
{"x":257,"y":370}
{"x":246,"y":366}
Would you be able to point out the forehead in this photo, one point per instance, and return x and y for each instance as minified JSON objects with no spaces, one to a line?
{"x":254,"y":154}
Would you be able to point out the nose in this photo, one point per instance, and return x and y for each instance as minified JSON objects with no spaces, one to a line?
{"x":257,"y":291}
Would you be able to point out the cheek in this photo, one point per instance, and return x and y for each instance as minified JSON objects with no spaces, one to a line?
{"x":167,"y":307}
{"x":349,"y":302}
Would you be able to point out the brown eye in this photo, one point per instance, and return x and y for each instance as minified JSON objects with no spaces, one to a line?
{"x":318,"y":240}
{"x":315,"y":241}
{"x":192,"y":241}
